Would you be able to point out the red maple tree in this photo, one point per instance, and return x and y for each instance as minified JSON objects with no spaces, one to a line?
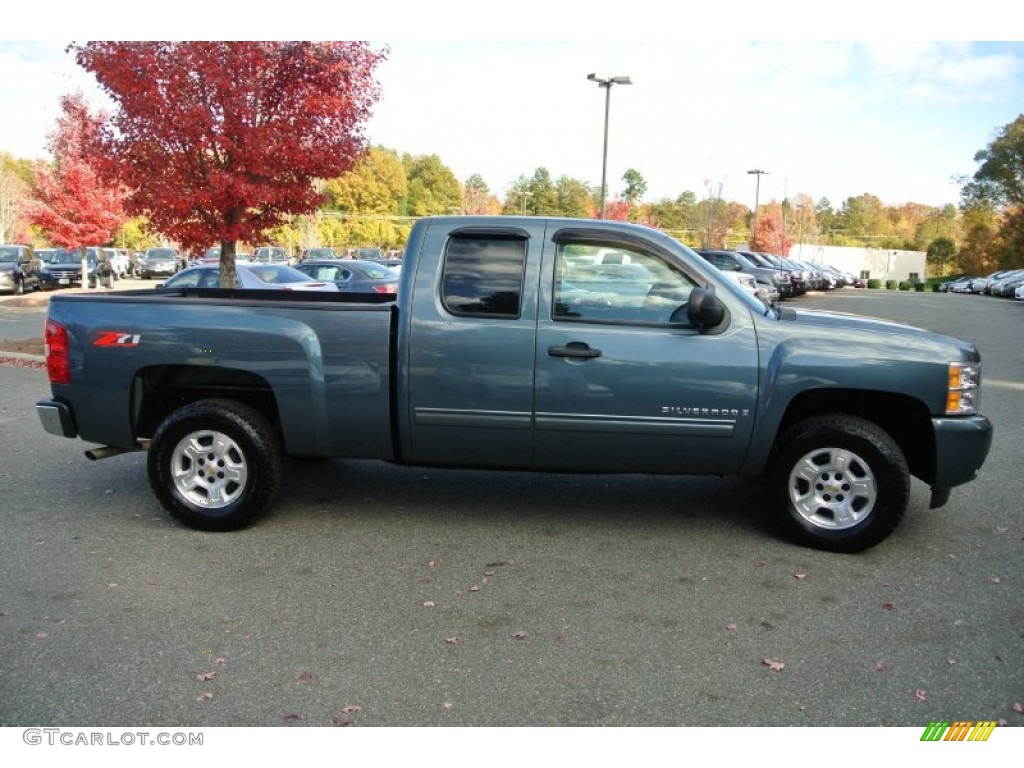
{"x":72,"y":204}
{"x":220,"y":141}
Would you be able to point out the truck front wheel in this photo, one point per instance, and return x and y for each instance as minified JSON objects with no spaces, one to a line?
{"x":839,"y":483}
{"x":215,"y":465}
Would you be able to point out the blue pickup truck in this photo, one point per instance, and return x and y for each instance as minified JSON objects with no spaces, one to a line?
{"x":539,"y":344}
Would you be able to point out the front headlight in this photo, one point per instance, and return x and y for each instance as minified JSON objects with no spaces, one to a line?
{"x":963,"y":391}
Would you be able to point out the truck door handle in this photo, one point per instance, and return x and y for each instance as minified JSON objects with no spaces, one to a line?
{"x":574,"y":349}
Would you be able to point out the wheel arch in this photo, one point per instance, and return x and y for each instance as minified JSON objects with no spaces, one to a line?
{"x":906,"y":419}
{"x":157,"y":391}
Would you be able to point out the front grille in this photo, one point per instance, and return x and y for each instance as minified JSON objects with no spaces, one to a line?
{"x":62,"y":274}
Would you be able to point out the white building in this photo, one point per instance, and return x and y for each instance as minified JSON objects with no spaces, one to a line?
{"x":869,"y":263}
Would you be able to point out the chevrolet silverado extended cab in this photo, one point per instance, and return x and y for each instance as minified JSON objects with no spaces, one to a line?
{"x":539,"y":344}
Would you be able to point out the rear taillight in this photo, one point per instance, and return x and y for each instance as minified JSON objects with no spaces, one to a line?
{"x":386,"y":288}
{"x":58,"y":365}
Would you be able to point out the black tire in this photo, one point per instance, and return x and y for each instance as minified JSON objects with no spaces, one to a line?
{"x":838,"y":483}
{"x":242,"y":447}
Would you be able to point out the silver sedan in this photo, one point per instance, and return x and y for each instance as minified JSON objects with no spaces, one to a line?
{"x":257,"y":276}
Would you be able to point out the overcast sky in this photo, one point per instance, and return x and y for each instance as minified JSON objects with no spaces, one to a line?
{"x":876,"y":113}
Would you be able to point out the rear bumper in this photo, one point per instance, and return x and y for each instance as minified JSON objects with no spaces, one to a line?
{"x":961,"y":446}
{"x":57,"y":418}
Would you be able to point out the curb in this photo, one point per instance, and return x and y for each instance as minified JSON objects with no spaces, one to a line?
{"x":21,"y":356}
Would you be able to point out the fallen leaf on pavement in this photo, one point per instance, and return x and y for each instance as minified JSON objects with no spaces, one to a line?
{"x":773,"y":665}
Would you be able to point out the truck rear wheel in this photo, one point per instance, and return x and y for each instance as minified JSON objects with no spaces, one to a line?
{"x":839,"y":483}
{"x":215,"y":465}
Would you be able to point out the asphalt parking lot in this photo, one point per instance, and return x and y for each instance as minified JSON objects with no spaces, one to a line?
{"x":386,"y":596}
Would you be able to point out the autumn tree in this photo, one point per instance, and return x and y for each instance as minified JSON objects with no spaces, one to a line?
{"x":377,"y":184}
{"x":14,"y":191}
{"x":220,"y":141}
{"x":73,"y":205}
{"x":771,"y":236}
{"x":977,"y":252}
{"x":477,"y":199}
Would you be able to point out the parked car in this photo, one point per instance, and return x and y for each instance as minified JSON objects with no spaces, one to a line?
{"x":257,"y":276}
{"x":734,"y":261}
{"x":271,"y":254}
{"x":160,"y":262}
{"x":948,"y":285}
{"x":118,"y":262}
{"x":1008,"y":285}
{"x":353,"y":276}
{"x":1019,"y":293}
{"x":19,"y":269}
{"x":369,"y":253}
{"x":63,"y":268}
{"x":317,"y":253}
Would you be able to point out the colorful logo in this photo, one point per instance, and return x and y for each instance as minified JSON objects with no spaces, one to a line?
{"x":960,"y":730}
{"x":116,"y":339}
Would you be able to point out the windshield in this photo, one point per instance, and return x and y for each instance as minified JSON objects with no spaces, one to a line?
{"x":8,"y":254}
{"x":161,"y":253}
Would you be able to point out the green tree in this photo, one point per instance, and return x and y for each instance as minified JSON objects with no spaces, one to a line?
{"x":543,"y":199}
{"x":863,"y":216}
{"x":938,"y":223}
{"x":575,"y":198}
{"x":517,"y":200}
{"x":636,"y":186}
{"x":1000,"y":177}
{"x":940,"y":253}
{"x":826,"y":216}
{"x":433,"y":188}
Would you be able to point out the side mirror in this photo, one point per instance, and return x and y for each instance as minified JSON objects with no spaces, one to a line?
{"x":704,"y":310}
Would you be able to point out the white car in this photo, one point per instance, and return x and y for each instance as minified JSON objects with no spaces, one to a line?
{"x":747,"y":282}
{"x":1019,"y":294}
{"x":118,"y":262}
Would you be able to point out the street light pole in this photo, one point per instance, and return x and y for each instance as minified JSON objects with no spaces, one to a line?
{"x":606,"y":83}
{"x":757,"y":195}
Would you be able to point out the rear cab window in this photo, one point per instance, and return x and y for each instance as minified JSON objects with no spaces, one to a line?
{"x":483,"y":275}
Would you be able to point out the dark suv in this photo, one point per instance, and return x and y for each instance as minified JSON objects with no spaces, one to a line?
{"x":19,"y":269}
{"x":64,"y":268}
{"x":734,"y":261}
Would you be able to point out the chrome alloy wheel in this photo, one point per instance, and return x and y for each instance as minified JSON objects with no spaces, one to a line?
{"x":209,"y":469}
{"x":832,"y":488}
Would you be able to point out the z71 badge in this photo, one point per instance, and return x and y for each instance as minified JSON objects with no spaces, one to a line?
{"x":116,"y":339}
